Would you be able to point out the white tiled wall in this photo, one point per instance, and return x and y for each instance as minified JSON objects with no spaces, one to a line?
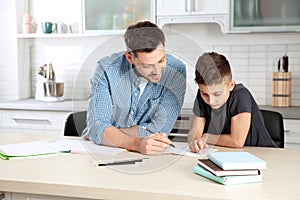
{"x":252,"y":64}
{"x":253,"y":57}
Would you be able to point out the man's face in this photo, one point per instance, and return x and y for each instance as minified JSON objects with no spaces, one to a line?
{"x":150,"y":65}
{"x":216,"y":95}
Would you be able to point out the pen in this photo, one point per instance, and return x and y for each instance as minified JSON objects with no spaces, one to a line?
{"x":172,"y":145}
{"x":122,"y":162}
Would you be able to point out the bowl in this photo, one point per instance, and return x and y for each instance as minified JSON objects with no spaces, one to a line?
{"x":53,"y":89}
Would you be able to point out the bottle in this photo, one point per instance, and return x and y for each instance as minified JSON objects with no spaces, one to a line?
{"x":285,"y":63}
{"x":27,"y":23}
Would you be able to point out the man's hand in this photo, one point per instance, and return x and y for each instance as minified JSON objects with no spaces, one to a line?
{"x":154,"y":144}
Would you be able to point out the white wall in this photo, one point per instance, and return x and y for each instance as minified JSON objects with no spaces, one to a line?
{"x":9,"y":86}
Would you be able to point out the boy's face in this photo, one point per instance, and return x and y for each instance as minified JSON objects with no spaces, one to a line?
{"x":150,"y":65}
{"x":216,"y":95}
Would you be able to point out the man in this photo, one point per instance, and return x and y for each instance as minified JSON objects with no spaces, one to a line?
{"x":226,"y":113}
{"x":136,"y":95}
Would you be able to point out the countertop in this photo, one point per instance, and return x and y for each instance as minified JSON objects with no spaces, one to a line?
{"x":78,"y":105}
{"x":32,"y":104}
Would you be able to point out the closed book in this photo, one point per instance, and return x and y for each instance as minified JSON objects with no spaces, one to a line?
{"x":218,"y":171}
{"x":227,"y":180}
{"x":236,"y":160}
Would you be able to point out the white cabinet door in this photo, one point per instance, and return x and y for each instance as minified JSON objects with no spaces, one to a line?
{"x":292,"y":133}
{"x":33,"y":121}
{"x":209,"y":7}
{"x":191,"y":7}
{"x":173,"y":7}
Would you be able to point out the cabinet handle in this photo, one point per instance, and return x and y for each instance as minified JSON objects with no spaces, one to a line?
{"x":29,"y":119}
{"x":188,"y":5}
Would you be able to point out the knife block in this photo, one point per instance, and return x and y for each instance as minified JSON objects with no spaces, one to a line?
{"x":281,"y":89}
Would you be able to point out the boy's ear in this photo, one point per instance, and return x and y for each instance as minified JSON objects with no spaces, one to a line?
{"x":231,"y":85}
{"x":128,"y":57}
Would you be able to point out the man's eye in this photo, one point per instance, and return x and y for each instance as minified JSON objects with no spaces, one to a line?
{"x":161,"y":61}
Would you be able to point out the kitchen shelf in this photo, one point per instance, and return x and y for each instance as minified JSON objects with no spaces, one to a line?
{"x":71,"y":35}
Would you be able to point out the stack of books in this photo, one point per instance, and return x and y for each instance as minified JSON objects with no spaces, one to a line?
{"x":231,"y":167}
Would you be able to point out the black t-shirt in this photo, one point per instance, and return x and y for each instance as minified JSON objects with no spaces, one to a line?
{"x":218,"y":120}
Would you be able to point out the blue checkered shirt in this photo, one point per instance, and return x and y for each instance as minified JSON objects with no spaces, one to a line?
{"x":114,"y":98}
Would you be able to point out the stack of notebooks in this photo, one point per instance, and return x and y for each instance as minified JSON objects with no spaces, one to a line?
{"x":231,"y":167}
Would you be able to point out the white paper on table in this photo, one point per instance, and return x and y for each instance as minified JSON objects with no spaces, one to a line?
{"x":183,"y":149}
{"x":84,"y":146}
{"x":27,"y":148}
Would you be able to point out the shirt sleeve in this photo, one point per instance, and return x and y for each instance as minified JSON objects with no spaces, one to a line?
{"x":99,"y":101}
{"x":240,"y":101}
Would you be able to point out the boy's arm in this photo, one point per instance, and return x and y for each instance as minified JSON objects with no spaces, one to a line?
{"x":240,"y":125}
{"x":195,"y":134}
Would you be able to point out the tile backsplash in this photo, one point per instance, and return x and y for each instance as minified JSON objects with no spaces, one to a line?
{"x":252,"y":65}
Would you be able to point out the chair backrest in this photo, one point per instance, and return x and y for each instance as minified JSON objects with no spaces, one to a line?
{"x":75,"y":124}
{"x":274,"y":124}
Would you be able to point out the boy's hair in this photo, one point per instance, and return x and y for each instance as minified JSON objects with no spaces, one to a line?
{"x":211,"y":68}
{"x":143,"y":37}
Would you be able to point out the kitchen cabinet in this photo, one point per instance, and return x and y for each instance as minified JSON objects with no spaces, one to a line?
{"x":193,"y":11}
{"x":292,"y":133}
{"x":27,"y":121}
{"x":101,"y":15}
{"x":86,"y":18}
{"x":264,"y":16}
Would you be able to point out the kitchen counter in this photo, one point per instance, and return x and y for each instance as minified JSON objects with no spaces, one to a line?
{"x":78,"y":105}
{"x":287,"y":112}
{"x":32,"y":104}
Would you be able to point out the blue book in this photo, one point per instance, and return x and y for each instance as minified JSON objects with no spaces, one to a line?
{"x":227,"y":180}
{"x":236,"y":160}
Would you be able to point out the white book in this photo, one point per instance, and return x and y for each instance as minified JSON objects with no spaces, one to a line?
{"x":236,"y":160}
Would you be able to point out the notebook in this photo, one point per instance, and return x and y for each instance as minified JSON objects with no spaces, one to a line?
{"x":216,"y":170}
{"x":26,"y":149}
{"x":236,"y":160}
{"x":227,"y":180}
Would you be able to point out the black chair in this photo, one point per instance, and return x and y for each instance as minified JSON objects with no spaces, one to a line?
{"x":75,"y":124}
{"x":274,"y":124}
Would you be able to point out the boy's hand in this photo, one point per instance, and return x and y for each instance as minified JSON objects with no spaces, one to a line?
{"x":154,"y":144}
{"x":198,"y":144}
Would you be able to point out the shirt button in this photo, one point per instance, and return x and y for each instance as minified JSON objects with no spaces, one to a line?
{"x":131,"y":112}
{"x":135,"y":94}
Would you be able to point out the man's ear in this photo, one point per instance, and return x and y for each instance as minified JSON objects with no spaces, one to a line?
{"x":231,"y":85}
{"x":128,"y":57}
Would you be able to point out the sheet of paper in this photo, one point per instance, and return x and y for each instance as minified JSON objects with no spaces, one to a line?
{"x":183,"y":149}
{"x":84,"y":146}
{"x":27,"y":148}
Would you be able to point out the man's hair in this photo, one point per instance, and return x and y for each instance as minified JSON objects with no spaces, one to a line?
{"x":143,"y":37}
{"x":212,"y":68}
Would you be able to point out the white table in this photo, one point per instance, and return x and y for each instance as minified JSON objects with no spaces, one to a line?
{"x":74,"y":176}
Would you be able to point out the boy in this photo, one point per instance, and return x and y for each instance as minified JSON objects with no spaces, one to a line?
{"x":226,"y":113}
